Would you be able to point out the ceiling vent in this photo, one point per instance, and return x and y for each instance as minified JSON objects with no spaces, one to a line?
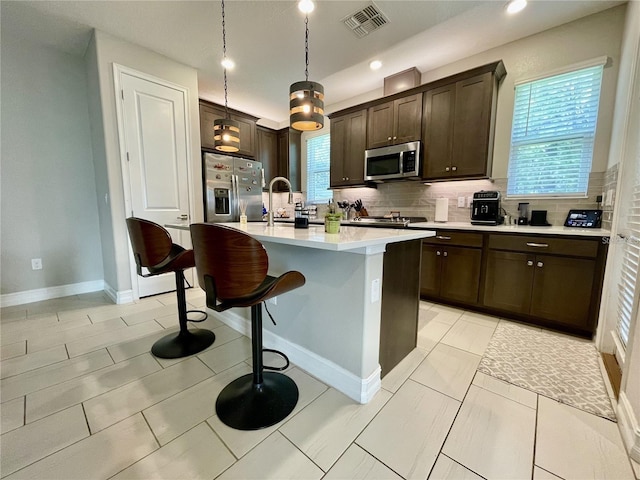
{"x":366,"y":20}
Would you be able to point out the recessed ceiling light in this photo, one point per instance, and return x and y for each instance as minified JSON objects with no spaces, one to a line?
{"x":306,"y":6}
{"x":375,"y":65}
{"x":515,"y":6}
{"x":227,"y":63}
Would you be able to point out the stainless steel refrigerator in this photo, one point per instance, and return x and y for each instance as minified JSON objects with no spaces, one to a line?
{"x":230,"y":182}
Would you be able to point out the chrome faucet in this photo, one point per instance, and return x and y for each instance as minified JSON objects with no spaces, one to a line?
{"x":270,"y":213}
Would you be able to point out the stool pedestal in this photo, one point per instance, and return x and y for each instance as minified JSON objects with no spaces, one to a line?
{"x":259,"y":399}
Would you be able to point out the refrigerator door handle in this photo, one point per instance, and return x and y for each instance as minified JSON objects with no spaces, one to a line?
{"x":236,"y":198}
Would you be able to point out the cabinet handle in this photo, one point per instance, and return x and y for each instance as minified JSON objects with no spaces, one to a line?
{"x":454,"y":168}
{"x":529,"y":263}
{"x":538,"y":245}
{"x":442,"y":237}
{"x":445,"y":254}
{"x":437,"y":252}
{"x":347,"y":178}
{"x":184,"y":216}
{"x":540,"y":264}
{"x":395,"y":138}
{"x":388,"y":138}
{"x":446,"y":169}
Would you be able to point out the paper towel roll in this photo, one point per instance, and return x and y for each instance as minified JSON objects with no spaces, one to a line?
{"x":442,"y":209}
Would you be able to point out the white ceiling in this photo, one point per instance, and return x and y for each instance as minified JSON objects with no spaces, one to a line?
{"x":266,"y":39}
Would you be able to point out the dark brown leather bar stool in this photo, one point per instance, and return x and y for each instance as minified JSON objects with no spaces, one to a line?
{"x":154,"y":250}
{"x":232,"y":269}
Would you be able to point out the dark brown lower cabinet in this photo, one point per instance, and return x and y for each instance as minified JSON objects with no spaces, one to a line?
{"x":562,"y":289}
{"x":451,"y":273}
{"x":555,"y":289}
{"x":400,"y":303}
{"x":553,"y":281}
{"x":507,"y":281}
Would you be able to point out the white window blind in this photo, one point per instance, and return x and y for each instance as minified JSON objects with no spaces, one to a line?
{"x":554,"y":125}
{"x":630,"y":268}
{"x":318,"y":156}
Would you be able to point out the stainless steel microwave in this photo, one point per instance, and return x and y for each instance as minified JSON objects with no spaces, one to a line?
{"x":392,"y":163}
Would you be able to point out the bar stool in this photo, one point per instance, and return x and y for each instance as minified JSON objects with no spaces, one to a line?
{"x":232,"y":269}
{"x":154,"y":250}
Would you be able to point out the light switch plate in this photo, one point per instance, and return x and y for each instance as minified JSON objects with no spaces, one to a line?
{"x":461,"y":201}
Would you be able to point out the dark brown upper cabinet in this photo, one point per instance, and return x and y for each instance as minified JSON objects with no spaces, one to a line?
{"x":458,"y":128}
{"x":396,"y":121}
{"x":267,"y":153}
{"x":348,"y":143}
{"x":289,"y":159}
{"x":211,"y":111}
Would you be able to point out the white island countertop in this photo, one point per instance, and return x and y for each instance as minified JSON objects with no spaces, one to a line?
{"x":349,"y":238}
{"x":517,"y":229}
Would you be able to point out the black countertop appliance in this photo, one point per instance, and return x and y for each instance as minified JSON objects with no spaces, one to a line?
{"x":486,"y":208}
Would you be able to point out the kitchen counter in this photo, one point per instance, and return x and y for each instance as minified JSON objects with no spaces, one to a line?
{"x":514,"y":229}
{"x":359,"y":283}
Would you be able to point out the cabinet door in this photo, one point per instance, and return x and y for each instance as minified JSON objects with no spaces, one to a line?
{"x":355,"y":145}
{"x":289,"y":147}
{"x":380,"y":125}
{"x":210,"y":113}
{"x":267,"y":152}
{"x":562,"y":290}
{"x":407,"y":119}
{"x":439,"y":108}
{"x":508,"y":280}
{"x":247,"y":136}
{"x":472,"y":126}
{"x":460,"y":279}
{"x":430,"y":270}
{"x":338,"y":139}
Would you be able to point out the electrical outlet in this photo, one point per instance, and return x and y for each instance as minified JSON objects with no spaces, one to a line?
{"x":375,"y":290}
{"x":461,"y":202}
{"x":273,"y":300}
{"x":36,"y":264}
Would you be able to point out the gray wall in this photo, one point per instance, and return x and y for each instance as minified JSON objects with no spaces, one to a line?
{"x":48,"y":192}
{"x":105,"y":50}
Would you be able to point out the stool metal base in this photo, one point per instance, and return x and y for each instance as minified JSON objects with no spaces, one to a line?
{"x":244,"y":405}
{"x":183,"y":344}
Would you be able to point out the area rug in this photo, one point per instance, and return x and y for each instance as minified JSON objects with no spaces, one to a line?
{"x":557,"y":366}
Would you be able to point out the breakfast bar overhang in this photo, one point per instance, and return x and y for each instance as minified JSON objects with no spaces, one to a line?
{"x":358,"y":309}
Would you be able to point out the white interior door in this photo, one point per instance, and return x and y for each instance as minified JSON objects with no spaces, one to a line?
{"x":154,"y":120}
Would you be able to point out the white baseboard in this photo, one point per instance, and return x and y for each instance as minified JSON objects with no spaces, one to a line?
{"x":629,"y":427}
{"x":126,"y":296}
{"x":359,"y":389}
{"x":29,"y":296}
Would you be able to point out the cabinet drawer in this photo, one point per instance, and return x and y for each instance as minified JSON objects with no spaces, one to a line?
{"x":447,"y":237}
{"x":546,"y":245}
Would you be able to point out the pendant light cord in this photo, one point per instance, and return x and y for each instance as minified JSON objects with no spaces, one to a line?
{"x":224,"y":57}
{"x":306,"y":47}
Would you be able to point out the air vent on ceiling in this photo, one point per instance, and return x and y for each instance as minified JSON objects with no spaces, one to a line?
{"x":366,"y":20}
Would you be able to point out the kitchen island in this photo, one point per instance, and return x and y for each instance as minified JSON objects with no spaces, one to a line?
{"x":356,"y":316}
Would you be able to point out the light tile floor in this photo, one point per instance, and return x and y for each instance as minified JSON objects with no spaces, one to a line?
{"x":98,"y":405}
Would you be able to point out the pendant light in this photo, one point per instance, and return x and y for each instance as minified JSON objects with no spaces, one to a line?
{"x":306,"y":99}
{"x":226,"y":132}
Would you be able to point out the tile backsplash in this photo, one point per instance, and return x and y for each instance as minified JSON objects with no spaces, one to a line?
{"x":415,"y":199}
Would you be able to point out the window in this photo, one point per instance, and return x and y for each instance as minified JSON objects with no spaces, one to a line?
{"x":318,"y":149}
{"x":554,"y":126}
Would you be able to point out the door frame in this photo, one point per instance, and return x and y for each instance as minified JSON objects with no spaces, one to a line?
{"x":118,"y":71}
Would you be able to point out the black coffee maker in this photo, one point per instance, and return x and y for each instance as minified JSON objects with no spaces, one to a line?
{"x":486,"y":208}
